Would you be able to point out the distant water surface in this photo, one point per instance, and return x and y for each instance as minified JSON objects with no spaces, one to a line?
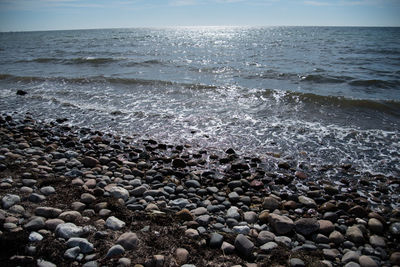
{"x":323,"y":95}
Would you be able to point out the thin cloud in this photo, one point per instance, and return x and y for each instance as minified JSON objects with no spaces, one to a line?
{"x":183,"y":3}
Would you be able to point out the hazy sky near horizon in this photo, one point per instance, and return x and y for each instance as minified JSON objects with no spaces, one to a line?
{"x":23,"y":15}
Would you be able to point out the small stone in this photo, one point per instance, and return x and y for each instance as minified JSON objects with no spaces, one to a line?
{"x":158,"y":260}
{"x":124,"y":262}
{"x":115,"y":250}
{"x":138,"y":191}
{"x":350,"y":256}
{"x":232,"y":212}
{"x":281,"y":224}
{"x":367,"y":261}
{"x":51,"y":224}
{"x":178,"y":163}
{"x":89,"y":162}
{"x":47,"y":212}
{"x":216,"y":240}
{"x":35,"y":224}
{"x":375,"y":226}
{"x":47,"y":190}
{"x":181,"y":255}
{"x":70,"y":216}
{"x":308,"y":202}
{"x":192,"y":233}
{"x":296,"y":262}
{"x":326,"y":227}
{"x":87,"y":198}
{"x":233,"y":197}
{"x":336,"y":237}
{"x":68,"y":230}
{"x":35,"y":237}
{"x":203,"y":220}
{"x":271,"y":203}
{"x":264,"y":237}
{"x":72,"y":253}
{"x":331,"y":254}
{"x":119,"y":192}
{"x":241,"y":229}
{"x":377,"y":241}
{"x":306,"y":226}
{"x":114,"y":223}
{"x":352,"y":264}
{"x":43,"y":263}
{"x":180,"y":202}
{"x":128,"y":240}
{"x":267,"y":247}
{"x":358,"y":211}
{"x":395,"y":258}
{"x":243,"y":245}
{"x":10,"y":200}
{"x":90,"y":264}
{"x":250,"y":217}
{"x":192,"y":183}
{"x":84,"y":245}
{"x":355,"y":235}
{"x":394,"y":228}
{"x":227,"y":248}
{"x":36,"y":198}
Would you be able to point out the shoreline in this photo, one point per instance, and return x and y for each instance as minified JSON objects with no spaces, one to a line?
{"x":143,"y":202}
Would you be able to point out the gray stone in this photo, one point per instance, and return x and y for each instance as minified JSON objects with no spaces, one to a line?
{"x":114,"y":223}
{"x":199,"y":211}
{"x":243,"y":245}
{"x":395,"y":258}
{"x":241,"y":229}
{"x":306,"y":226}
{"x":10,"y":200}
{"x":264,"y":237}
{"x":351,"y":256}
{"x":331,"y":254}
{"x":91,"y":264}
{"x":281,"y":224}
{"x":336,"y":237}
{"x":47,"y":190}
{"x":87,"y":198}
{"x":68,"y":230}
{"x":367,"y":261}
{"x":70,"y":216}
{"x":84,"y":245}
{"x":283,"y":240}
{"x":89,"y":162}
{"x":51,"y":224}
{"x":352,"y":264}
{"x":232,"y":212}
{"x":138,"y":191}
{"x":377,"y":241}
{"x":216,"y":240}
{"x":233,"y":196}
{"x":192,"y":183}
{"x":308,"y":202}
{"x":227,"y":248}
{"x":124,"y":262}
{"x":203,"y":220}
{"x":35,"y":224}
{"x":72,"y":253}
{"x":128,"y":240}
{"x":43,"y":263}
{"x":394,"y":228}
{"x":296,"y":262}
{"x":119,"y":192}
{"x":36,"y":198}
{"x":250,"y":217}
{"x":115,"y":250}
{"x":180,"y":202}
{"x":35,"y":237}
{"x":267,"y":247}
{"x":375,"y":226}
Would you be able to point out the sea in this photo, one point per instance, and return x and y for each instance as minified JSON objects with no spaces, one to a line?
{"x":322,"y":96}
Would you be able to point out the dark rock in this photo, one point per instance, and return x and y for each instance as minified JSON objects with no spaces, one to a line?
{"x":243,"y":245}
{"x":178,"y":163}
{"x":21,"y":92}
{"x":216,"y":240}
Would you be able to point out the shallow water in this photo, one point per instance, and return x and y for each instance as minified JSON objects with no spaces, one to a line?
{"x":324,"y":95}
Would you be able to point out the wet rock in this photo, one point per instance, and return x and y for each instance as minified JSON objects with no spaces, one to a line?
{"x":43,"y":263}
{"x":72,"y":253}
{"x":115,"y":250}
{"x":36,"y":198}
{"x":114,"y":223}
{"x":10,"y":200}
{"x":128,"y":240}
{"x":281,"y":224}
{"x":84,"y":245}
{"x":35,"y":237}
{"x":180,"y":202}
{"x":243,"y":245}
{"x":306,"y":226}
{"x":68,"y":230}
{"x":233,"y":212}
{"x":204,"y":220}
{"x":216,"y":240}
{"x":192,"y":183}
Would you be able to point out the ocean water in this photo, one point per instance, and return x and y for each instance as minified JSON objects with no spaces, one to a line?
{"x":317,"y":95}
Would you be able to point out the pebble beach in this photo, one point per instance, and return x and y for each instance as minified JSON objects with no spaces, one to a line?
{"x":72,"y":196}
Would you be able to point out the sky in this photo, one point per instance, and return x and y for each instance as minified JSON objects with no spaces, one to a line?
{"x":28,"y":15}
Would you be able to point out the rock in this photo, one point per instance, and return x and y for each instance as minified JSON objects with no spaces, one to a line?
{"x":308,"y":202}
{"x":192,"y":183}
{"x":36,"y":198}
{"x":355,"y":235}
{"x":70,"y":216}
{"x":35,"y":237}
{"x":358,"y":211}
{"x":352,"y":264}
{"x":114,"y":223}
{"x":233,"y":197}
{"x":250,"y":217}
{"x":89,"y":162}
{"x":180,"y":202}
{"x":281,"y":224}
{"x":10,"y":200}
{"x":241,"y":229}
{"x":192,"y":233}
{"x":271,"y":203}
{"x":185,"y":215}
{"x":72,"y":253}
{"x":367,"y":261}
{"x":232,"y":212}
{"x":181,"y":255}
{"x":90,"y":264}
{"x":21,"y":92}
{"x":158,"y":260}
{"x":43,"y":263}
{"x":199,"y":211}
{"x":47,"y":212}
{"x":87,"y":198}
{"x":47,"y":190}
{"x":394,"y":228}
{"x":119,"y":192}
{"x":84,"y":245}
{"x":336,"y":237}
{"x":306,"y":226}
{"x":227,"y":248}
{"x":377,"y":241}
{"x":115,"y":250}
{"x":269,"y":246}
{"x":395,"y":258}
{"x":326,"y":227}
{"x":331,"y":254}
{"x":216,"y":240}
{"x":243,"y":245}
{"x":375,"y":226}
{"x":203,"y":220}
{"x":178,"y":163}
{"x":124,"y":262}
{"x":296,"y":262}
{"x":350,"y":256}
{"x":264,"y":237}
{"x":68,"y":230}
{"x":128,"y":240}
{"x":36,"y":223}
{"x":138,"y":191}
{"x":51,"y":224}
